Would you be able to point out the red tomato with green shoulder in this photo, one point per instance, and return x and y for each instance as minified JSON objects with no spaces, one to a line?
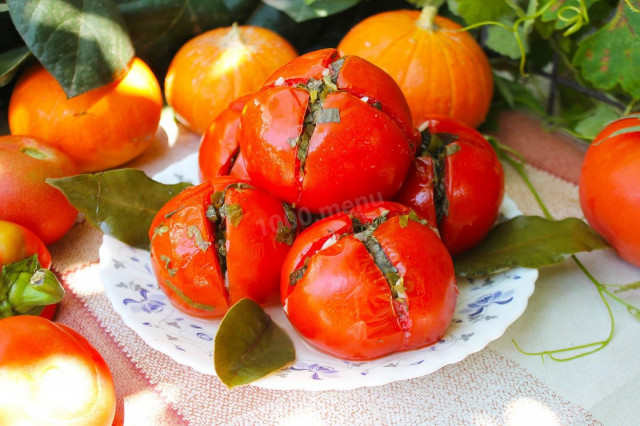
{"x":25,"y":164}
{"x":364,"y":284}
{"x":456,"y":182}
{"x":218,"y":242}
{"x":326,"y":130}
{"x":610,"y":186}
{"x":50,"y":374}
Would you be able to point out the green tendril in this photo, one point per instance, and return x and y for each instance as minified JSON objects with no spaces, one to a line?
{"x":575,"y":16}
{"x":516,"y":160}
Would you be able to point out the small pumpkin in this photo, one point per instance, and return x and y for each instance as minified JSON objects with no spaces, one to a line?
{"x":440,"y":69}
{"x":216,"y":67}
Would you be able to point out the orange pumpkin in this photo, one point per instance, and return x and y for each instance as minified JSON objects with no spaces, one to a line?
{"x":100,"y":129}
{"x":217,"y":67}
{"x":440,"y":69}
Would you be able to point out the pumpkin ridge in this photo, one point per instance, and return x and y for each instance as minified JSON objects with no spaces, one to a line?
{"x":391,"y":49}
{"x":463,"y":102}
{"x":419,"y":40}
{"x":447,"y":61}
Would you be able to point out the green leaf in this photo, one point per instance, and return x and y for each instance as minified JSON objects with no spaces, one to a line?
{"x":249,"y":345}
{"x":611,"y":56}
{"x":530,"y":242}
{"x":84,"y":44}
{"x":121,"y":203}
{"x":158,"y":28}
{"x":504,"y":42}
{"x":240,"y":10}
{"x":596,"y":119}
{"x":26,"y":288}
{"x":517,"y":94}
{"x":300,"y":11}
{"x":10,"y":62}
{"x":489,"y":10}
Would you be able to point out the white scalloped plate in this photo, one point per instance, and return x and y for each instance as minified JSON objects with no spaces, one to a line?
{"x":484,"y":311}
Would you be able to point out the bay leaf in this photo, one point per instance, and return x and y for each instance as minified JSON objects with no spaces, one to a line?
{"x":84,"y":44}
{"x":249,"y":345}
{"x":530,"y":242}
{"x":121,"y":203}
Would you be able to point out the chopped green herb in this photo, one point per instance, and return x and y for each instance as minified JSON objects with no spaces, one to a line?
{"x":328,"y":115}
{"x":195,"y":233}
{"x":167,"y":261}
{"x":233,"y":212}
{"x":160,"y":230}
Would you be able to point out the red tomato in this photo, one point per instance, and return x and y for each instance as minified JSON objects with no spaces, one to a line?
{"x":219,"y":242}
{"x":27,"y":199}
{"x":50,"y":374}
{"x":456,"y":181}
{"x":325,"y":130}
{"x":219,"y":153}
{"x":610,"y":186}
{"x":364,"y":284}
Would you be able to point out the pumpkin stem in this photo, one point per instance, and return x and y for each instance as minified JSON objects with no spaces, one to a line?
{"x":426,"y":21}
{"x":234,"y":36}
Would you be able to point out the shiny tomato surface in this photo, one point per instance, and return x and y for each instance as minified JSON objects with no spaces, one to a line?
{"x":219,"y":153}
{"x":363,"y":284}
{"x":326,"y":131}
{"x":50,"y":374}
{"x":218,"y":242}
{"x":610,"y":187}
{"x":456,"y":182}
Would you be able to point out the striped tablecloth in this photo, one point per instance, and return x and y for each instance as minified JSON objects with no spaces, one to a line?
{"x":497,"y":385}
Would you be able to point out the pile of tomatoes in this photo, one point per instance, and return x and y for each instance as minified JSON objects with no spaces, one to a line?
{"x":300,"y":178}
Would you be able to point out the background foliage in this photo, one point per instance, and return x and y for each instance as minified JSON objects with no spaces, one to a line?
{"x":571,"y":62}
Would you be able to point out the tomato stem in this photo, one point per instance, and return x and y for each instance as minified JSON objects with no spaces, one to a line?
{"x":26,"y":288}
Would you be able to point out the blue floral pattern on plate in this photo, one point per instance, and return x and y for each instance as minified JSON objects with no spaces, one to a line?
{"x":485,"y":308}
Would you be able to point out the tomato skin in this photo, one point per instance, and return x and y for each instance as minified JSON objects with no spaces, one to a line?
{"x":17,"y":243}
{"x":276,"y":116}
{"x":27,"y":199}
{"x":49,"y":373}
{"x":219,"y":145}
{"x":473,"y":180}
{"x":343,"y":304}
{"x":609,"y":190}
{"x":372,"y":147}
{"x":185,"y":252}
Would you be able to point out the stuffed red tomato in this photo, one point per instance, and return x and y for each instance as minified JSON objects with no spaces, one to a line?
{"x":326,"y":130}
{"x":218,"y":242}
{"x":456,"y":182}
{"x":363,"y":284}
